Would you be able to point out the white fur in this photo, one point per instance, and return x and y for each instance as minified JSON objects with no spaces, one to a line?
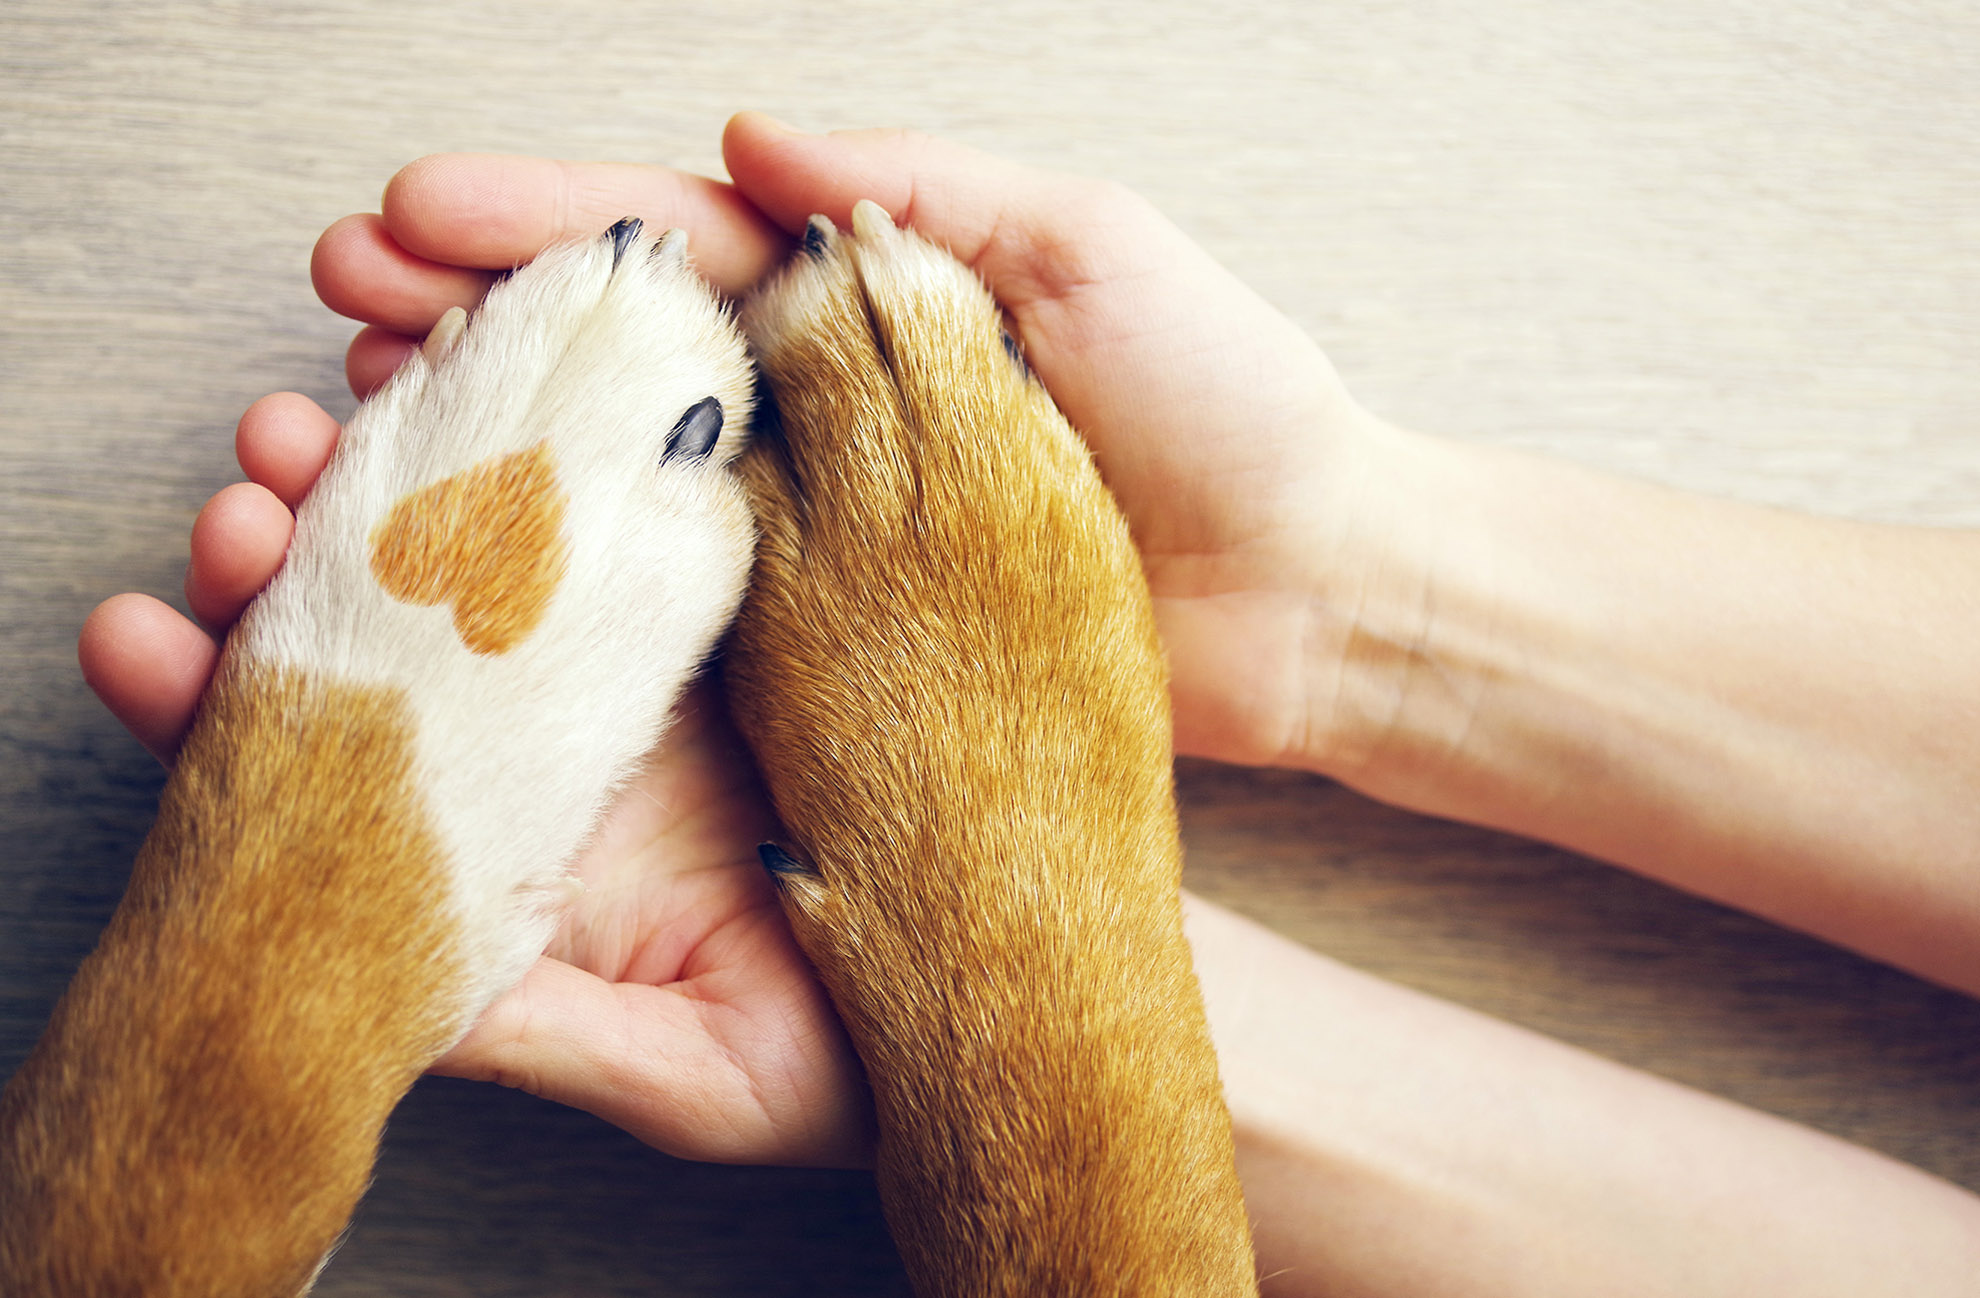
{"x":518,"y":751}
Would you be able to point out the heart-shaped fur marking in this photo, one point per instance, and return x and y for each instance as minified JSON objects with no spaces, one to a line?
{"x":488,"y":542}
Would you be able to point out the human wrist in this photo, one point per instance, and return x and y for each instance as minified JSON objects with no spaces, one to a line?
{"x":1393,"y":645}
{"x":1477,"y":646}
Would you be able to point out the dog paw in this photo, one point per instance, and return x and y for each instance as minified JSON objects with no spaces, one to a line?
{"x":522,"y":548}
{"x":948,"y":628}
{"x":527,"y":541}
{"x":948,"y":670}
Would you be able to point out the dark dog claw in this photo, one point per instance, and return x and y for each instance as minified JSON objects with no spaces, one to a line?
{"x":695,"y":434}
{"x":622,"y":235}
{"x":818,"y":234}
{"x":777,"y":861}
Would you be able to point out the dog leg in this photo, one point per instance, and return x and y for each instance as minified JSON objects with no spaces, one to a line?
{"x":523,"y":547}
{"x":948,"y":669}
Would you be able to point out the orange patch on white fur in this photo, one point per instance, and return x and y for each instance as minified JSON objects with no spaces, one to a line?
{"x":488,"y":542}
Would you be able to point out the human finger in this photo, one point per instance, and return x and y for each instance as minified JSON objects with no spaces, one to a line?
{"x":148,"y":665}
{"x":497,"y":211}
{"x":360,"y":271}
{"x":238,"y":542}
{"x":374,"y":356}
{"x":282,"y":442}
{"x":1032,"y":234}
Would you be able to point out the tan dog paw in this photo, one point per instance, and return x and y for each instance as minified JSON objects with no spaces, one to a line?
{"x":948,"y":669}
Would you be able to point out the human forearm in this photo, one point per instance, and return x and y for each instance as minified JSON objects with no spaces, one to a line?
{"x":1770,"y":709}
{"x":1395,"y":1144}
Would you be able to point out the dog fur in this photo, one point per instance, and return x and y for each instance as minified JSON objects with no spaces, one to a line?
{"x":948,"y":669}
{"x":523,"y":547}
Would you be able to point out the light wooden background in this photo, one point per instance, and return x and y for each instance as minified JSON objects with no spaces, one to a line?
{"x":1734,"y":246}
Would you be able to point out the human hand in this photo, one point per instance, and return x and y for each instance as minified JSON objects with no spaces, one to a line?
{"x":673,"y":1001}
{"x":1250,"y":478}
{"x":1242,"y":464}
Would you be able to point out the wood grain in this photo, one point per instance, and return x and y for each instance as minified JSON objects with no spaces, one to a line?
{"x":1732,"y":246}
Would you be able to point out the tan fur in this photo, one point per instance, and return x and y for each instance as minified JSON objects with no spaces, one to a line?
{"x":948,"y":668}
{"x":208,"y":1095}
{"x":488,"y":542}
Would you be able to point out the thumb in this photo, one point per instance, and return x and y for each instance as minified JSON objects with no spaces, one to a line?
{"x":1032,"y":234}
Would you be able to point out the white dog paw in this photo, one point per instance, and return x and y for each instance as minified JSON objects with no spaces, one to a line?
{"x":529,"y":540}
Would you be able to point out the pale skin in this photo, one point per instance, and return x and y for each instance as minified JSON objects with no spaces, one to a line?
{"x":1773,"y":710}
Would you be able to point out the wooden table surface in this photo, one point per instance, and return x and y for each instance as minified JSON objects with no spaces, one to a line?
{"x":1733,"y":246}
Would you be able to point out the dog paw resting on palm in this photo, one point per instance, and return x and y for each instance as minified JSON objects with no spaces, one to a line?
{"x":948,"y":669}
{"x":524,"y":546}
